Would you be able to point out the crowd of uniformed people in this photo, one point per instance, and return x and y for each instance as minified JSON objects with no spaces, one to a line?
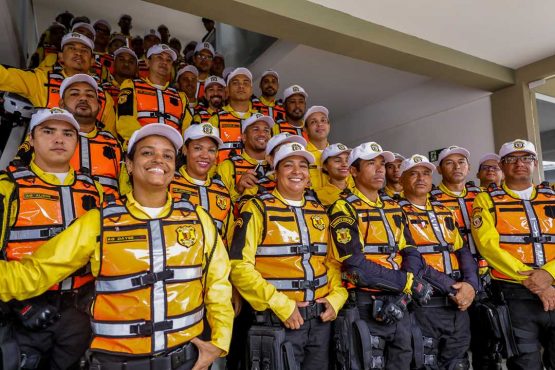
{"x":160,"y":215}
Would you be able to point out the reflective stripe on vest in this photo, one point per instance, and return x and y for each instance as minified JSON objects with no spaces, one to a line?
{"x":294,"y":284}
{"x":152,"y":106}
{"x":445,"y":247}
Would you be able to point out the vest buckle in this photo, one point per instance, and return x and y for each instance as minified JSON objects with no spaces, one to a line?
{"x":151,"y":278}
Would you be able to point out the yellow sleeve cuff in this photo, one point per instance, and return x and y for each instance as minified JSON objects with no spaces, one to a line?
{"x":408,"y":285}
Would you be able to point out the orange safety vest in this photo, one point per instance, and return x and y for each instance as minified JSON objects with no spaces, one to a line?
{"x":462,"y":208}
{"x":214,"y":198}
{"x":277,"y":112}
{"x":111,"y":89}
{"x":434,"y":233}
{"x":143,"y":69}
{"x":158,"y":106}
{"x":203,"y":113}
{"x":149,"y":290}
{"x":241,"y":166}
{"x":200,"y":90}
{"x":55,"y":78}
{"x":100,"y":158}
{"x":230,"y":132}
{"x":293,"y":262}
{"x":526,"y":227}
{"x":45,"y":210}
{"x":285,"y":126}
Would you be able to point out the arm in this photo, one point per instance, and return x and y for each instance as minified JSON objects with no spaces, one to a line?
{"x":109,"y":115}
{"x":29,"y":84}
{"x":337,"y":295}
{"x":467,"y":264}
{"x":127,"y":122}
{"x":253,"y":287}
{"x":187,"y":115}
{"x":226,"y":171}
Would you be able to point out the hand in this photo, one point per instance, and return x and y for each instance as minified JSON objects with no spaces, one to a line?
{"x":236,"y":301}
{"x":537,"y":280}
{"x":547,"y":297}
{"x":207,"y":354}
{"x":464,"y":296}
{"x":393,"y":309}
{"x":329,"y":314}
{"x":421,"y":290}
{"x":248,"y":180}
{"x":37,"y":316}
{"x":295,"y":321}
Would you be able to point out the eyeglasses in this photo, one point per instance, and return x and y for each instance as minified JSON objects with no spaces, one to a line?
{"x":487,"y":168}
{"x":205,"y":57}
{"x":524,"y":159}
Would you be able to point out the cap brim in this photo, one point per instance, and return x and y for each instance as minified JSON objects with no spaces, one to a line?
{"x":78,"y":78}
{"x":465,"y":153}
{"x":489,"y":157}
{"x":158,"y":129}
{"x":428,"y":165}
{"x":301,"y":153}
{"x":290,"y":139}
{"x":200,"y":136}
{"x":59,"y":117}
{"x":335,"y":154}
{"x":387,"y":156}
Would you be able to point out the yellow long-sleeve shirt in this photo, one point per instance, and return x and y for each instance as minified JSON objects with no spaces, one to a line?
{"x":79,"y":244}
{"x":228,"y":175}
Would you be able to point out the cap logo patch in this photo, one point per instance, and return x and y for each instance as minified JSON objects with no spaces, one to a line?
{"x":75,"y":34}
{"x":295,"y":147}
{"x":207,"y":129}
{"x":453,"y":147}
{"x":56,"y":110}
{"x":296,"y":89}
{"x":375,"y":147}
{"x":518,"y":144}
{"x":207,"y":45}
{"x":341,"y":147}
{"x":417,"y":159}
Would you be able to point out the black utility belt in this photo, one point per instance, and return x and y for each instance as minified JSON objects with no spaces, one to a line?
{"x":268,"y":317}
{"x":170,"y":360}
{"x":513,"y":291}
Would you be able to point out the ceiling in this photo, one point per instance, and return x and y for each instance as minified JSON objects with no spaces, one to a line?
{"x":511,"y":33}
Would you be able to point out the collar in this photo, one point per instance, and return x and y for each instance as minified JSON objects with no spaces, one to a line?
{"x":266,"y":102}
{"x":89,"y":135}
{"x":312,"y":148}
{"x":278,"y":195}
{"x":446,"y":190}
{"x":183,"y":172}
{"x":147,"y":80}
{"x":515,"y":195}
{"x":233,"y":112}
{"x":50,"y":178}
{"x":376,"y":204}
{"x":251,"y":160}
{"x":137,"y":210}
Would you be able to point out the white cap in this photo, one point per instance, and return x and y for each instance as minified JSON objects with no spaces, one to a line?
{"x":398,"y":157}
{"x":269,"y":72}
{"x":227,"y":71}
{"x":204,"y":46}
{"x":292,"y":90}
{"x":118,"y":36}
{"x":453,"y":149}
{"x":333,"y":150}
{"x":210,"y":80}
{"x":198,"y":131}
{"x":188,"y":68}
{"x":284,"y":137}
{"x":315,"y":109}
{"x":518,"y":145}
{"x":218,"y":55}
{"x":57,"y":24}
{"x":416,"y":160}
{"x":79,"y":77}
{"x":85,"y":25}
{"x":153,"y":32}
{"x":43,"y":115}
{"x":159,"y":129}
{"x":77,"y":37}
{"x":370,"y":150}
{"x":291,"y":149}
{"x":239,"y":71}
{"x":104,"y":22}
{"x":489,"y":157}
{"x":255,"y":118}
{"x":125,"y":49}
{"x":159,"y":49}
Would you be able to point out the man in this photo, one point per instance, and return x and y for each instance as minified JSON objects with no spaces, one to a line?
{"x":152,"y":100}
{"x":281,"y":266}
{"x":294,"y":98}
{"x":381,"y":269}
{"x":267,"y":103}
{"x":242,"y":173}
{"x":239,"y":107}
{"x":50,"y":46}
{"x":138,"y":46}
{"x":215,"y":96}
{"x":125,"y":68}
{"x":203,"y":56}
{"x":125,"y":25}
{"x":164,"y":34}
{"x":102,"y":38}
{"x":443,"y":322}
{"x":42,"y":87}
{"x":218,"y":65}
{"x":489,"y":171}
{"x":186,"y":81}
{"x":514,"y":230}
{"x":51,"y":330}
{"x":393,"y":175}
{"x":151,"y":38}
{"x":317,"y":128}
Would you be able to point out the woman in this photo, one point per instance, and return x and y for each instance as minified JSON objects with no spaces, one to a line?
{"x":335,"y":164}
{"x":194,"y":181}
{"x":152,"y":260}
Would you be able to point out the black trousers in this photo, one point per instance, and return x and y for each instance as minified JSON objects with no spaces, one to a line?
{"x":235,"y":359}
{"x":397,"y":336}
{"x":451,"y":330}
{"x":483,"y":356}
{"x":111,"y":360}
{"x":311,"y":344}
{"x":62,"y":344}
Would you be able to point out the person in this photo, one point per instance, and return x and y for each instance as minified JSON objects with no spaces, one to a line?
{"x":239,"y":108}
{"x":294,"y":98}
{"x":317,"y":128}
{"x":175,"y":44}
{"x":137,"y":44}
{"x":164,"y":34}
{"x":125,"y":24}
{"x":39,"y":201}
{"x":65,"y":19}
{"x":218,"y":65}
{"x":214,"y":97}
{"x":150,"y":39}
{"x":392,"y":175}
{"x":267,"y":103}
{"x":186,"y":81}
{"x":209,"y":25}
{"x":489,"y":171}
{"x":335,"y":165}
{"x":442,"y":333}
{"x":203,"y":57}
{"x":42,"y":87}
{"x":174,"y":271}
{"x":152,"y":100}
{"x":242,"y":173}
{"x":125,"y":68}
{"x":51,"y":45}
{"x":381,"y":268}
{"x":513,"y":228}
{"x":102,"y":38}
{"x":288,"y":278}
{"x":195,"y":182}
